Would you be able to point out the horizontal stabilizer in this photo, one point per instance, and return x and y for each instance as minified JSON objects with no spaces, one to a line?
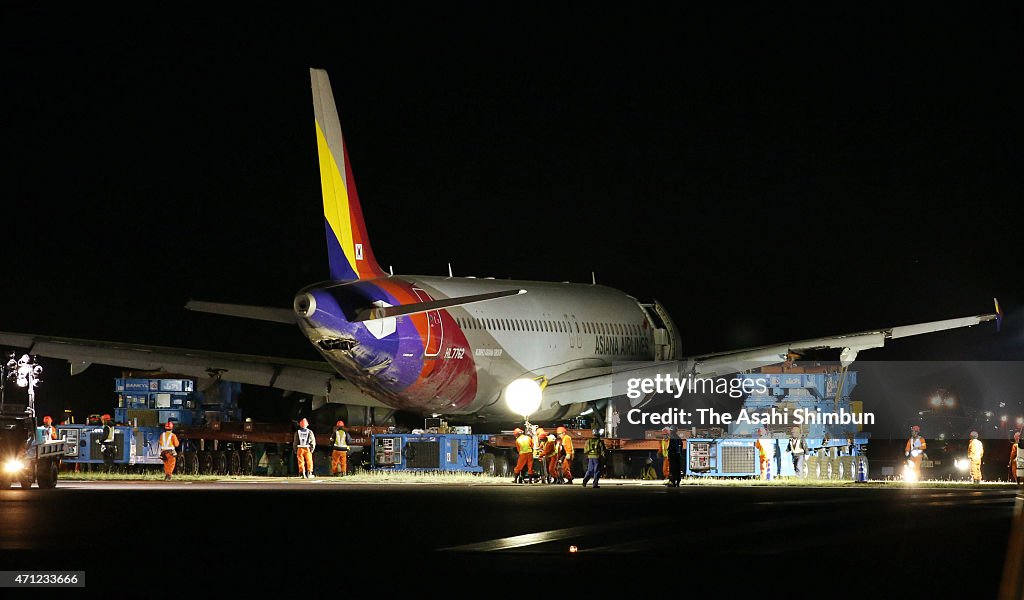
{"x":385,"y":312}
{"x":259,"y":313}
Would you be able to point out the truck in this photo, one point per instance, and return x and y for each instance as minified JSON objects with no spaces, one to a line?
{"x":215,"y":439}
{"x":836,"y":451}
{"x":457,"y":448}
{"x":27,"y":454}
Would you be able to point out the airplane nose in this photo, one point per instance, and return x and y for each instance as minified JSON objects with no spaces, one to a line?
{"x":304,"y":305}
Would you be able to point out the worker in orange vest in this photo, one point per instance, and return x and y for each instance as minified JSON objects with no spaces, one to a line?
{"x":974,"y":453}
{"x":663,"y":452}
{"x":339,"y":456}
{"x":1016,"y":457}
{"x":765,"y":451}
{"x":915,"y":451}
{"x":51,"y":431}
{"x":524,"y":445}
{"x":565,"y":452}
{"x":304,"y":444}
{"x":548,"y":458}
{"x":168,"y":449}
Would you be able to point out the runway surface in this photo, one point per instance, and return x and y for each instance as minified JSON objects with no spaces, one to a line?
{"x":271,"y":534}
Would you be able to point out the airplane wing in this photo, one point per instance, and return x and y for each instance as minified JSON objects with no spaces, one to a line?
{"x":611,"y":384}
{"x":304,"y":376}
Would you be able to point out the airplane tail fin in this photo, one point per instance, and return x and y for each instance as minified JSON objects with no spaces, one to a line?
{"x":348,"y":245}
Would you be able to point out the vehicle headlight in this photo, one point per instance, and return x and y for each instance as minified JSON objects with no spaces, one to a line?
{"x":13,"y":465}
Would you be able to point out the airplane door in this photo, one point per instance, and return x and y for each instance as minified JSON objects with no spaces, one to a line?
{"x":435,"y":329}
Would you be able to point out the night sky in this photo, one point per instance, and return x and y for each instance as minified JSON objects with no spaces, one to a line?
{"x":766,"y":176}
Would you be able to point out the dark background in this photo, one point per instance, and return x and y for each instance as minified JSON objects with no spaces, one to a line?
{"x":767,"y":176}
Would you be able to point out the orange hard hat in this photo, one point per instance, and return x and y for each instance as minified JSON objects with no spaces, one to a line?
{"x":169,"y":425}
{"x":303,"y":423}
{"x":339,"y":424}
{"x":517,"y":431}
{"x":560,"y":430}
{"x":105,"y":418}
{"x":47,"y":420}
{"x":541,"y":432}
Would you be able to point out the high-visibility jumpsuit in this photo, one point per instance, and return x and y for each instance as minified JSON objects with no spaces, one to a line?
{"x":567,"y":461}
{"x":974,"y":452}
{"x":305,"y":443}
{"x":550,"y":459}
{"x":1018,"y":464}
{"x":666,"y":469}
{"x":51,"y":432}
{"x":524,"y":444}
{"x":765,"y":454}
{"x":915,"y":451}
{"x":1014,"y":453}
{"x":339,"y":456}
{"x":168,"y":441}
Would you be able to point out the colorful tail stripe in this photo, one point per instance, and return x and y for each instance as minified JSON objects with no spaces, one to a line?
{"x":348,"y":245}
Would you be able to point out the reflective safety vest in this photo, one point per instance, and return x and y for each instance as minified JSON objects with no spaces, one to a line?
{"x":664,"y":447}
{"x":108,"y":434}
{"x":525,"y":444}
{"x":305,"y":438}
{"x":340,"y":440}
{"x":915,"y":446}
{"x":168,"y":440}
{"x":796,"y":446}
{"x":51,"y":432}
{"x":567,"y":446}
{"x":975,"y":450}
{"x":765,"y":448}
{"x":594,"y":448}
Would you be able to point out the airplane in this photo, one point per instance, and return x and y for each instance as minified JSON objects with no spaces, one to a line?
{"x":450,"y":346}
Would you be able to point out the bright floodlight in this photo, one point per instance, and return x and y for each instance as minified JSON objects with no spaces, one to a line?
{"x":936,"y":401}
{"x":950,"y":401}
{"x":523,"y":396}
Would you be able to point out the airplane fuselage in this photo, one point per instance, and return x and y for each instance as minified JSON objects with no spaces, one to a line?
{"x":457,"y":361}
